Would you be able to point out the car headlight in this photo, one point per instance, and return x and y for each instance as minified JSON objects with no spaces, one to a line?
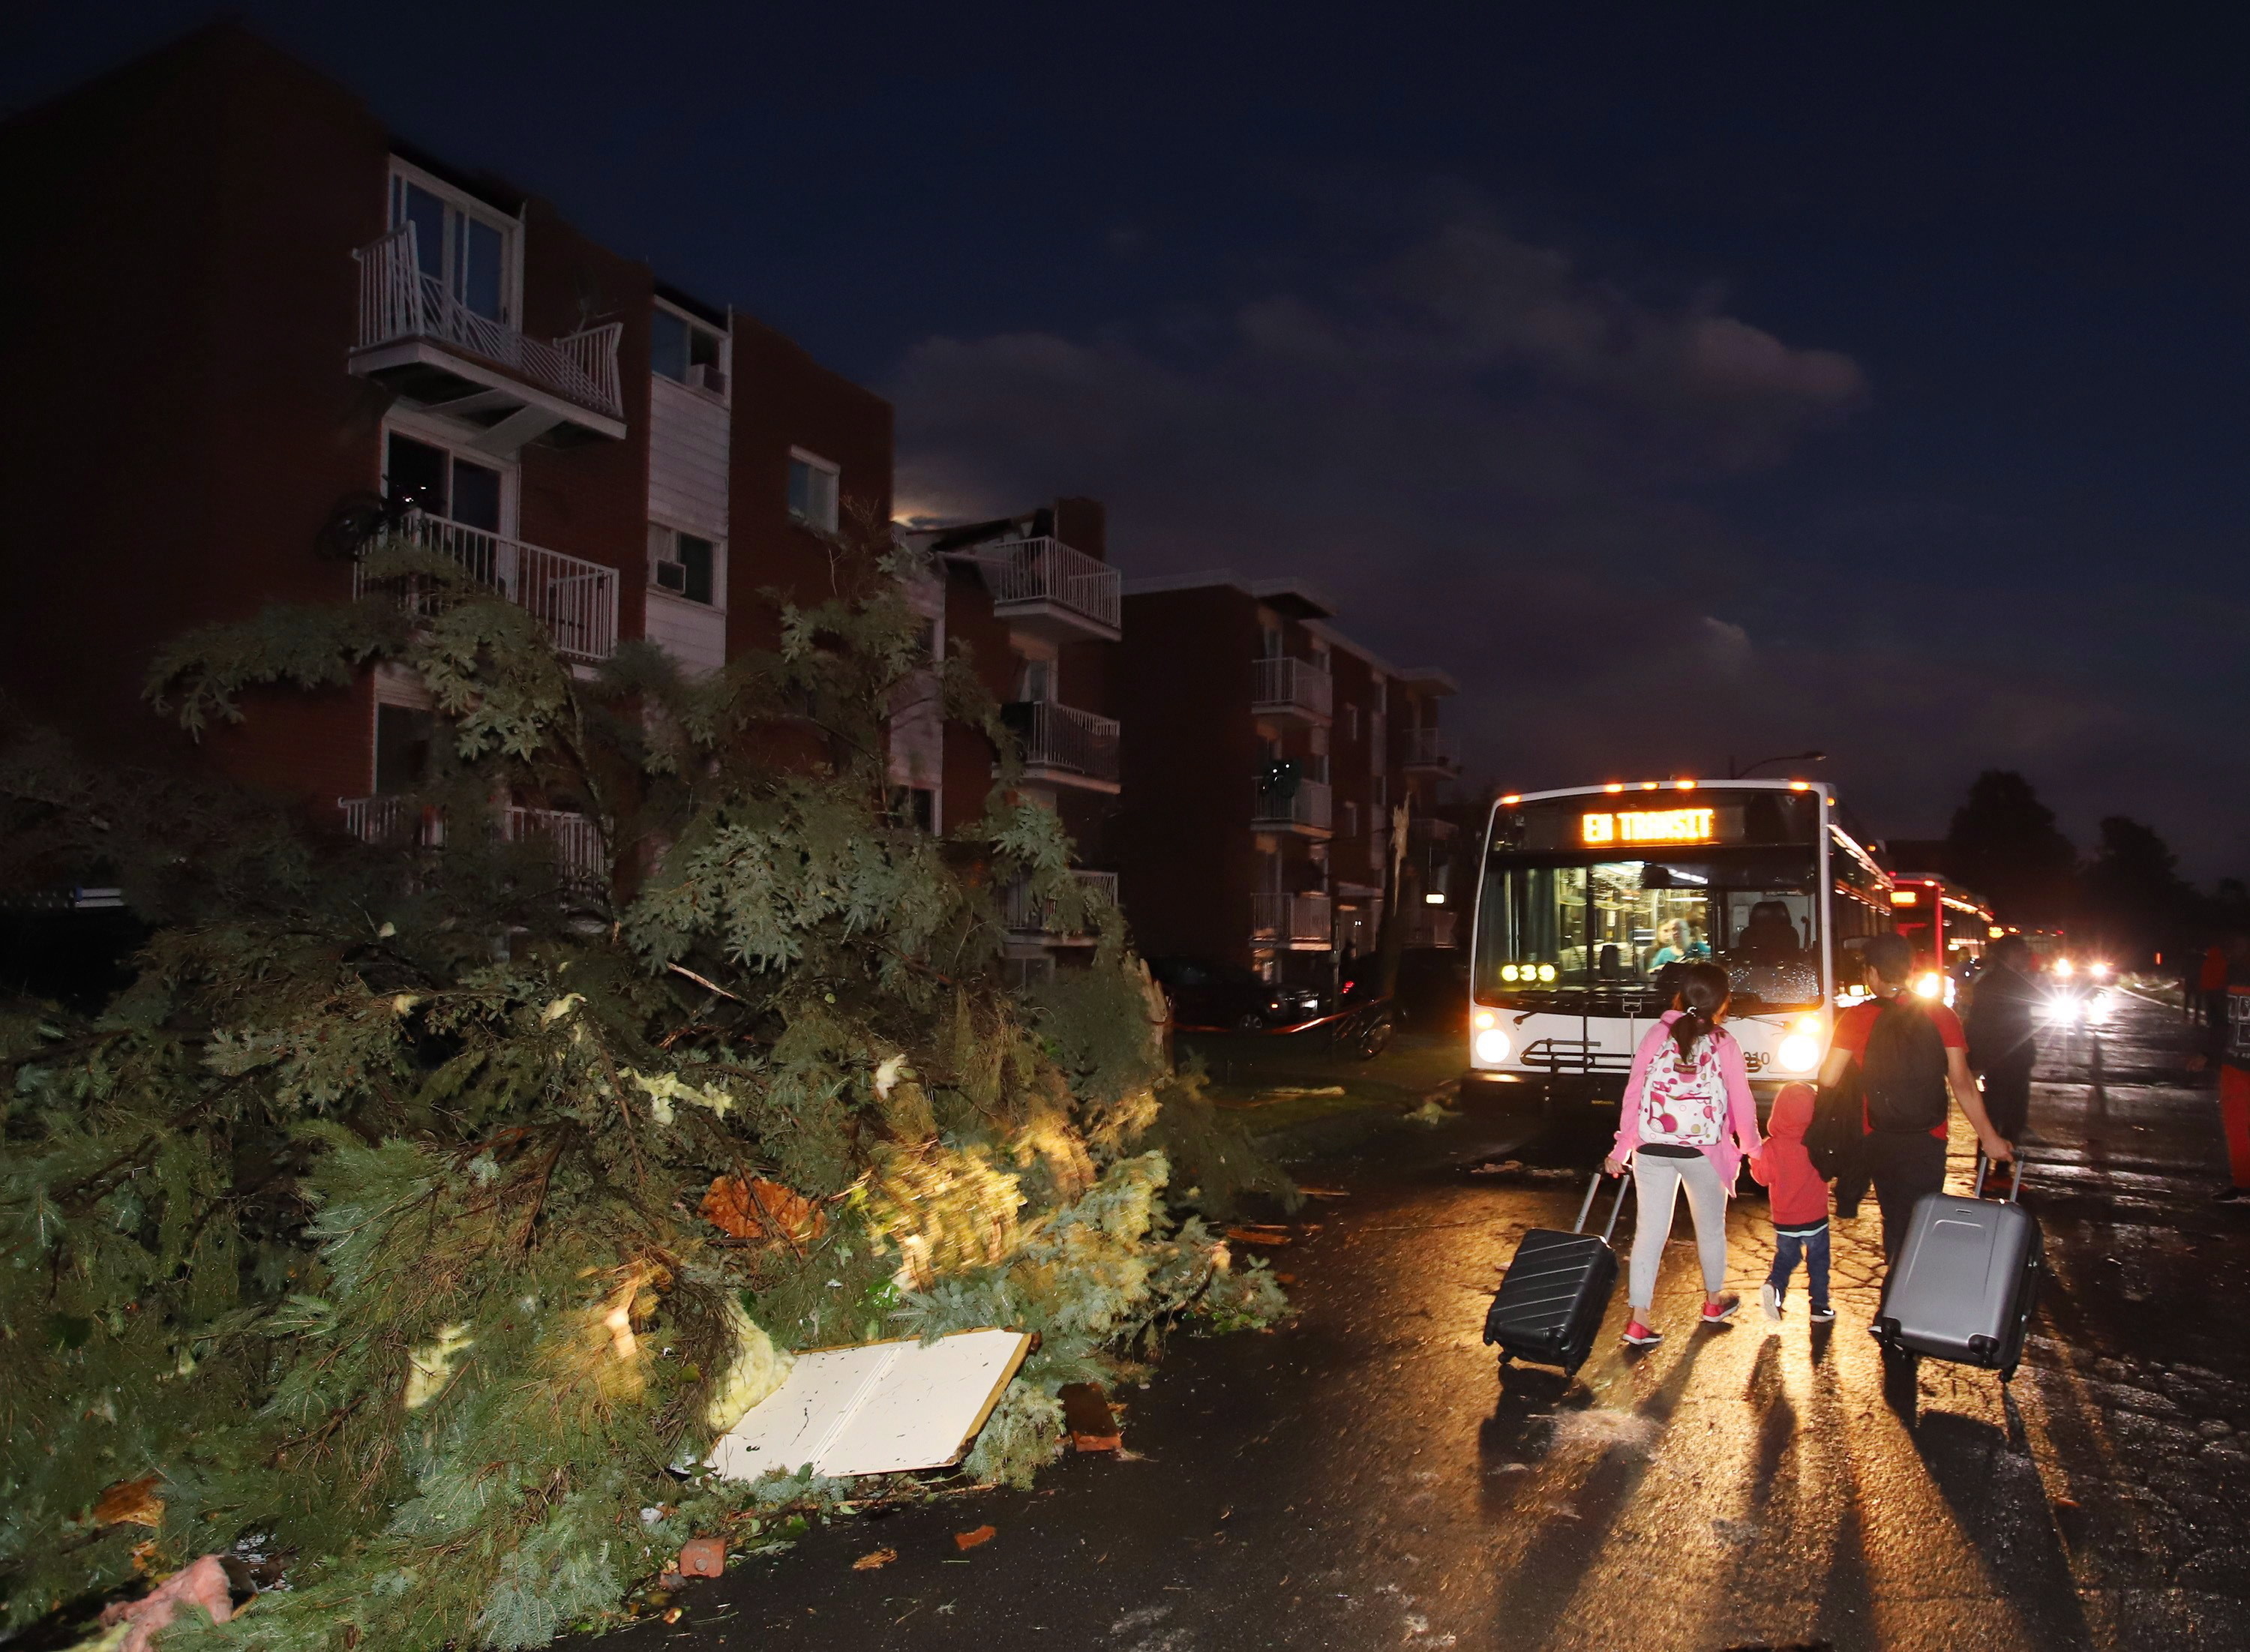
{"x":2062,"y":1009}
{"x":1491,"y":1046}
{"x":1798,"y":1053}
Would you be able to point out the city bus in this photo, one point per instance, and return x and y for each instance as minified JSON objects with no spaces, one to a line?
{"x":1950,"y":928}
{"x":1588,"y":897}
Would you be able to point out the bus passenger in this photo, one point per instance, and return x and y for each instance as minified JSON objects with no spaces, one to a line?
{"x":1678,"y":943}
{"x":1687,"y":1120}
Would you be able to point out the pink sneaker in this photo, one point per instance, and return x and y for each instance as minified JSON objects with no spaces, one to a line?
{"x":1640,"y":1335}
{"x":1717,"y":1313}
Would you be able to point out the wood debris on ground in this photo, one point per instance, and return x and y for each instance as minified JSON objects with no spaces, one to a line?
{"x":982,"y":1535}
{"x":874,"y":1559}
{"x":1086,"y":1414}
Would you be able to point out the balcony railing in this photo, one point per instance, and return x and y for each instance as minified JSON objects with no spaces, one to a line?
{"x":398,"y":302}
{"x":1290,"y":918}
{"x":1025,"y":915}
{"x":1311,"y":806}
{"x":1291,"y":686}
{"x":1063,"y":738}
{"x":578,"y":599}
{"x":403,"y":822}
{"x":1428,"y":748}
{"x":1031,"y":573}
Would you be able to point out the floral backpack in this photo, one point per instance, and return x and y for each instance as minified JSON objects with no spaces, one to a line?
{"x":1684,"y":1103}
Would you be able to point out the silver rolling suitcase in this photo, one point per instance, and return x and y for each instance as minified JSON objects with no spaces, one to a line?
{"x":1966,"y":1279}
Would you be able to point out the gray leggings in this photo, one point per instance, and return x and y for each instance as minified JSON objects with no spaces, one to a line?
{"x":1656,"y":1184}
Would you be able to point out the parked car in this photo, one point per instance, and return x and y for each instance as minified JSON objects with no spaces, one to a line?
{"x":1206,"y":992}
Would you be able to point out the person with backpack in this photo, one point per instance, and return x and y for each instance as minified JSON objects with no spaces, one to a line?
{"x":1908,"y":1054}
{"x":1799,"y":1205}
{"x":1687,"y":1120}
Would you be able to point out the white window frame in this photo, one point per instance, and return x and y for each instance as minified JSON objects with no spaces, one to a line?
{"x":663,"y":537}
{"x":433,"y":431}
{"x":724,"y":397}
{"x":835,"y":474}
{"x":510,"y":229}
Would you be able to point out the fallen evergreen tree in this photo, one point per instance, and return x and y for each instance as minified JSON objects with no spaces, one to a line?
{"x":421,"y":1212}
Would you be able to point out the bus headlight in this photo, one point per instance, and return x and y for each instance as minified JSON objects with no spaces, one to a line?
{"x":2062,"y":1009}
{"x":1798,"y":1053}
{"x":1485,"y":1018}
{"x":1928,"y":984}
{"x":1491,"y":1046}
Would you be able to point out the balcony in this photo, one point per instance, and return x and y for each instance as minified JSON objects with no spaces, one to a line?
{"x":1308,"y":811}
{"x":1293,"y":920}
{"x":1025,"y":916}
{"x":577,"y":599}
{"x":1044,"y":586}
{"x":1428,"y":750}
{"x":1291,"y":689}
{"x":1064,"y":745}
{"x":403,"y":822}
{"x":421,"y":341}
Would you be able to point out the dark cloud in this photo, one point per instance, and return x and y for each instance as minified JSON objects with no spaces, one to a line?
{"x":1504,"y":464}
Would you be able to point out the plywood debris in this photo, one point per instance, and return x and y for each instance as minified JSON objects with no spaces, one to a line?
{"x":883,"y":1407}
{"x":1086,"y":1415}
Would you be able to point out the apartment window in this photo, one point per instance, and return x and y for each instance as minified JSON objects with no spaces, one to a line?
{"x":914,"y":806}
{"x":1351,"y":724}
{"x":684,"y":564}
{"x":1382,"y":791}
{"x":1035,"y":680}
{"x":402,"y":749}
{"x":465,"y":247}
{"x":685,"y":351}
{"x":1350,"y":822}
{"x":813,"y":490}
{"x":441,"y":483}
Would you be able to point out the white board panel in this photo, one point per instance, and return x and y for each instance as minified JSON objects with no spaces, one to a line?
{"x":927,"y":1404}
{"x":882,"y":1408}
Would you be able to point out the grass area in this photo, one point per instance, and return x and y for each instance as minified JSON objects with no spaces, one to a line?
{"x":1250,"y":1074}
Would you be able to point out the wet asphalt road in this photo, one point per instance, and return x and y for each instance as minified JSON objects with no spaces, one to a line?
{"x":1365,"y":1479}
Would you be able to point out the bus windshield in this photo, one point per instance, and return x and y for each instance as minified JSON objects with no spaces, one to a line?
{"x":1580,"y":901}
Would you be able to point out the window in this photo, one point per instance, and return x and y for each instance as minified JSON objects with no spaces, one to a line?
{"x":685,"y":351}
{"x":1350,"y":821}
{"x":813,"y":490}
{"x":914,"y":806}
{"x":402,"y":749}
{"x":1351,"y":723}
{"x":1035,"y":681}
{"x":684,"y":564}
{"x":442,"y":484}
{"x":468,"y":249}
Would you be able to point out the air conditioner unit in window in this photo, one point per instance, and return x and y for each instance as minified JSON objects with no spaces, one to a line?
{"x":672,"y":577}
{"x":712,"y":378}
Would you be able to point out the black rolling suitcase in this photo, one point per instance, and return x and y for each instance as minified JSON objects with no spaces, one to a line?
{"x":1551,"y":1302}
{"x":1966,"y":1279}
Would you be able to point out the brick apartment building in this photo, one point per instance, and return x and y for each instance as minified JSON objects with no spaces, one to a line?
{"x":1033,"y":603}
{"x":1264,"y":753}
{"x":242,"y":301}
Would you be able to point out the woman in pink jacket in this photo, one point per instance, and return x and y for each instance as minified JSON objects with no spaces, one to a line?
{"x":1687,"y":1119}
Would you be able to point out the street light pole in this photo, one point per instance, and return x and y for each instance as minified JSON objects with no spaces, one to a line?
{"x":1789,"y":757}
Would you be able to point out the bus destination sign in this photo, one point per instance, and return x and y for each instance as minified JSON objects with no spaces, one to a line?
{"x":1650,"y":826}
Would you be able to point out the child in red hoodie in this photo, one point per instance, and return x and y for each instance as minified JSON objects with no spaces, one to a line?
{"x":1799,"y":1204}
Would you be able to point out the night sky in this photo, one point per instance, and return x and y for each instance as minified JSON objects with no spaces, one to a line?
{"x":1695,"y":382}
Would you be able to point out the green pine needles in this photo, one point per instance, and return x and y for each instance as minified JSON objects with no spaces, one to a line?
{"x":426,"y":1205}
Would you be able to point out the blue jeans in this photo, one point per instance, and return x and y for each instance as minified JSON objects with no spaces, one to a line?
{"x":1813,"y":1245}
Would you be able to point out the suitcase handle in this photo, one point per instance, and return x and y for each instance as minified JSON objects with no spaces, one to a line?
{"x":1586,"y":1205}
{"x":2015,"y":1182}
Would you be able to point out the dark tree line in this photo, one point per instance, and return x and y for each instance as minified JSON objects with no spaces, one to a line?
{"x":2126,"y":896}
